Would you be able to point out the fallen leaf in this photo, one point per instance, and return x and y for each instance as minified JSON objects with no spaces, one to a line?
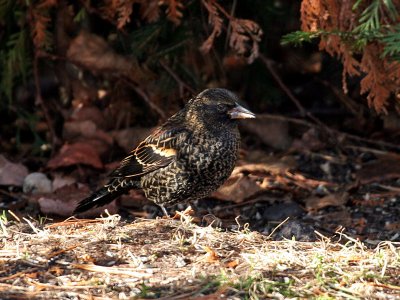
{"x":310,"y":141}
{"x":316,"y":203}
{"x":60,"y":181}
{"x":232,"y":263}
{"x":63,"y":202}
{"x":86,"y":129}
{"x":237,"y":188}
{"x":89,"y":113}
{"x":211,"y":256}
{"x":75,"y":154}
{"x":74,"y":129}
{"x":278,"y":132}
{"x":92,"y":52}
{"x":384,"y":168}
{"x":269,"y":166}
{"x":12,"y":173}
{"x":131,"y":137}
{"x":56,"y":270}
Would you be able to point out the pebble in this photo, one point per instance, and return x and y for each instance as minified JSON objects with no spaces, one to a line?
{"x":37,"y":183}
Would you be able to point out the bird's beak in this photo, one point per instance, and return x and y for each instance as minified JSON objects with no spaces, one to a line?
{"x":239,"y":112}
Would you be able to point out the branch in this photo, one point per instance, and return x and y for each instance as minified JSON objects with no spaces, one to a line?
{"x":180,"y":82}
{"x":146,"y":98}
{"x":40,"y":101}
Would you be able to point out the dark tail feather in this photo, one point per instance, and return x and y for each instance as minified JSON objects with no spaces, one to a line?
{"x":99,"y":198}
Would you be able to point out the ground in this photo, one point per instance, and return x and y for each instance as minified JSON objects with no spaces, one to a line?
{"x":177,"y":259}
{"x":319,"y":220}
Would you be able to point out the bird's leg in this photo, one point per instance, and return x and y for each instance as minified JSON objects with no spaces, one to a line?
{"x":164,"y":211}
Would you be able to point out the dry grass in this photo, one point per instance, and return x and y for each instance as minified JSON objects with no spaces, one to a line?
{"x":176,"y":259}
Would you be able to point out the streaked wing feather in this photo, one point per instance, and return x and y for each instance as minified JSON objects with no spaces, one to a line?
{"x":156,"y":151}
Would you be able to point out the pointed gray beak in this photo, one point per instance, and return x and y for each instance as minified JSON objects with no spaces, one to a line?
{"x":239,"y":112}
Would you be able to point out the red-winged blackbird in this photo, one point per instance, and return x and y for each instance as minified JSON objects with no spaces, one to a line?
{"x":185,"y":159}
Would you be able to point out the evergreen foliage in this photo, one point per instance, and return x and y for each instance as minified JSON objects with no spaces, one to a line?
{"x":375,"y":36}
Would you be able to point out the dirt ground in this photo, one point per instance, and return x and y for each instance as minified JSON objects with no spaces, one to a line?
{"x":175,"y":259}
{"x":320,"y":220}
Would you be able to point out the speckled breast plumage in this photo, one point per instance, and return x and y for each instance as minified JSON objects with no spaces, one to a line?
{"x":202,"y":165}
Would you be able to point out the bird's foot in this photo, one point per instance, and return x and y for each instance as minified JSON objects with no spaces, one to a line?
{"x":165,"y":211}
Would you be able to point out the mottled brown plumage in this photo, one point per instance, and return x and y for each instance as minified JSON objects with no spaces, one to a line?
{"x":185,"y":159}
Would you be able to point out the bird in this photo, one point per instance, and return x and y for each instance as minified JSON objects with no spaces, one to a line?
{"x":184,"y":159}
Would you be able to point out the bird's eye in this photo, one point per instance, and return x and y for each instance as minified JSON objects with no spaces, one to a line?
{"x":221,"y":107}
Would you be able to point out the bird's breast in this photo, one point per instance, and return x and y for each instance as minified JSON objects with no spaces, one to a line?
{"x":210,"y":157}
{"x":202,"y":164}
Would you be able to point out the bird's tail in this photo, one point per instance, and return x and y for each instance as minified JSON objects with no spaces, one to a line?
{"x":105,"y":195}
{"x":99,"y":198}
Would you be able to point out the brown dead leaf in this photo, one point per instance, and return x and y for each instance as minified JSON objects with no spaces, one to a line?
{"x":277,"y":131}
{"x":56,"y":270}
{"x":92,"y":52}
{"x":248,"y":179}
{"x":75,"y":154}
{"x":102,"y":148}
{"x":12,"y":173}
{"x":60,"y":181}
{"x":89,"y":113}
{"x":384,"y":168}
{"x":315,"y":203}
{"x":211,"y":256}
{"x":237,"y":188}
{"x":232,"y":263}
{"x":183,"y":214}
{"x":310,"y":141}
{"x":87,"y":132}
{"x":32,"y":275}
{"x":131,"y":137}
{"x":74,"y":129}
{"x":233,"y":62}
{"x":269,"y":165}
{"x":63,"y":201}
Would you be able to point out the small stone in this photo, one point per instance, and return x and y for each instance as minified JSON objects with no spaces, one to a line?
{"x":37,"y":183}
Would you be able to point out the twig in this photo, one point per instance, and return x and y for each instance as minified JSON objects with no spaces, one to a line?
{"x":268,"y":63}
{"x":133,"y":272}
{"x":304,"y":112}
{"x":31,"y":225}
{"x":386,"y":286}
{"x":14,"y":215}
{"x":366,"y":140}
{"x":228,"y":31}
{"x":176,"y":77}
{"x":146,"y":98}
{"x":394,"y":189}
{"x":367,"y":149}
{"x":333,"y":131}
{"x":276,"y":227}
{"x":247,"y":202}
{"x":346,"y":100}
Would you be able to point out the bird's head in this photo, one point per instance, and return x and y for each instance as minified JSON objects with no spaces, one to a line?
{"x":215,"y":107}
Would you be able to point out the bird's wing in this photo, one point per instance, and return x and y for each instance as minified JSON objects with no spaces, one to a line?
{"x":156,"y":151}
